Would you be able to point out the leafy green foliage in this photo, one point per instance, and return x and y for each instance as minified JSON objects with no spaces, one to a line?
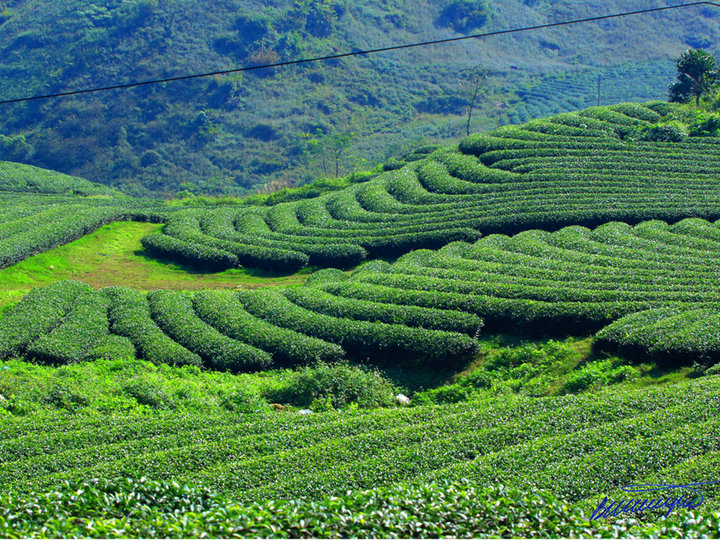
{"x":129,"y":315}
{"x":149,"y":509}
{"x":363,"y":339}
{"x":579,"y":447}
{"x":174,"y":313}
{"x":127,"y":386}
{"x":464,"y":15}
{"x":340,"y":384}
{"x":37,"y":314}
{"x":697,"y":75}
{"x":224,"y":311}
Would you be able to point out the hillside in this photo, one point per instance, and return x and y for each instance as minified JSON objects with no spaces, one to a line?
{"x":583,"y":168}
{"x":231,"y":134}
{"x":648,"y":290}
{"x":545,"y":294}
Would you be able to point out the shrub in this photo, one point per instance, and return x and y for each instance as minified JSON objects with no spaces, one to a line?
{"x":243,"y":401}
{"x":669,"y":132}
{"x":147,"y":393}
{"x":341,"y":384}
{"x":190,"y":253}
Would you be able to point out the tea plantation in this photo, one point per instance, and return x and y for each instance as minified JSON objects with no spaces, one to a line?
{"x":575,"y":449}
{"x":650,"y":289}
{"x":41,"y":210}
{"x":584,"y":168}
{"x":602,"y":224}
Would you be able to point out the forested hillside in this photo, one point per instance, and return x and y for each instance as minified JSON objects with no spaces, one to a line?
{"x":282,"y":127}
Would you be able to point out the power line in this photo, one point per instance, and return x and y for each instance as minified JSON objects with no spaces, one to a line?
{"x":356,"y":53}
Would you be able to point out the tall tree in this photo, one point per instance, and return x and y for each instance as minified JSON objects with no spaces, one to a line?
{"x":697,"y":76}
{"x":476,"y":86}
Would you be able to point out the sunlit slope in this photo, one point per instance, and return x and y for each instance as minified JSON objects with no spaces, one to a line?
{"x":579,"y":447}
{"x":651,"y":290}
{"x":239,"y":331}
{"x":654,"y":284}
{"x":41,"y":209}
{"x":113,"y":255}
{"x":582,"y":168}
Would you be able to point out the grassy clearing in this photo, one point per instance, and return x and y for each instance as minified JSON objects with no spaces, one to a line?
{"x":113,"y":255}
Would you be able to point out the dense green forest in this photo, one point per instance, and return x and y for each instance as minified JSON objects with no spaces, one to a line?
{"x":275,"y":128}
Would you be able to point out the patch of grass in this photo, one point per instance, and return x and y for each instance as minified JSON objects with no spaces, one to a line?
{"x":10,"y":297}
{"x":125,"y":386}
{"x":113,"y":255}
{"x":540,"y":367}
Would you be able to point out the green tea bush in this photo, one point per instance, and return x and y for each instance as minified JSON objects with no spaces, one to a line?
{"x":190,"y":253}
{"x":224,"y":311}
{"x":36,"y":314}
{"x":129,"y":315}
{"x":668,"y":132}
{"x":113,"y":508}
{"x":174,"y":313}
{"x":76,"y":337}
{"x":362,"y":338}
{"x":342,"y":384}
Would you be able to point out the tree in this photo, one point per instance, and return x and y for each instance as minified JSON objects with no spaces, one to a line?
{"x":475,"y":87}
{"x":327,"y":149}
{"x":697,"y":76}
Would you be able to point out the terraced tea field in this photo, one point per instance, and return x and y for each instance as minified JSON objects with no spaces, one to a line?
{"x":562,"y":92}
{"x":582,"y":168}
{"x":579,"y":225}
{"x":578,"y":447}
{"x":651,"y":289}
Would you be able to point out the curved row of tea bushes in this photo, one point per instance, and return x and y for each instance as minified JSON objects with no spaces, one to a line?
{"x":189,"y":253}
{"x":573,"y":280}
{"x":362,"y":338}
{"x":174,"y":313}
{"x":52,"y":229}
{"x":31,"y":223}
{"x":37,"y":314}
{"x":83,"y":334}
{"x":590,"y":461}
{"x":667,"y":335}
{"x":237,"y":331}
{"x":223,"y":310}
{"x":583,"y":168}
{"x":290,"y":255}
{"x":20,"y":178}
{"x":437,"y":319}
{"x":129,"y":315}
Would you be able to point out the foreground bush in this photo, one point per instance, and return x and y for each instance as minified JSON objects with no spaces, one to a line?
{"x":341,"y":384}
{"x":128,"y":509}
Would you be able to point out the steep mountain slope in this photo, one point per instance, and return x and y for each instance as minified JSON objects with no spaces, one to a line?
{"x":230,"y":133}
